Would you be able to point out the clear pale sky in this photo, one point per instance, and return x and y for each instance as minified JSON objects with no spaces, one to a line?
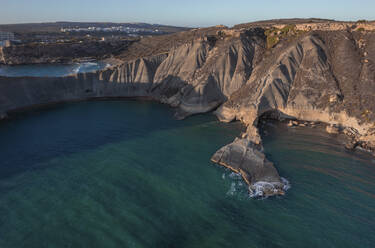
{"x":181,"y":13}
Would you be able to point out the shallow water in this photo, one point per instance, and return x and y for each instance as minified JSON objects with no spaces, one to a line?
{"x":126,"y":174}
{"x":50,"y":70}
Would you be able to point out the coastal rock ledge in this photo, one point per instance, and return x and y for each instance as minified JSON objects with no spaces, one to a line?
{"x":244,"y":157}
{"x":325,"y":76}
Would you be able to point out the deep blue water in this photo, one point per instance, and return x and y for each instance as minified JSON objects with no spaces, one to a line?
{"x":50,"y":70}
{"x":126,"y":174}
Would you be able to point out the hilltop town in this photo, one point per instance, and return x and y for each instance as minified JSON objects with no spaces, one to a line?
{"x":65,"y":42}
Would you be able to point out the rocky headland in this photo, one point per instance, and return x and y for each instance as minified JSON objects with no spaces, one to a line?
{"x":298,"y":70}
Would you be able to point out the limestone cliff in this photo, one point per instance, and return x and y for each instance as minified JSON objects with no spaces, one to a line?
{"x":320,"y":77}
{"x":326,"y":76}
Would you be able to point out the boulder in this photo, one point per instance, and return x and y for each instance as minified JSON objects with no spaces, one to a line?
{"x":333,"y":129}
{"x":351,"y":145}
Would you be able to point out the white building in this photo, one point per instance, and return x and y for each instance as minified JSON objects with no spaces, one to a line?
{"x":6,"y":36}
{"x":5,"y":43}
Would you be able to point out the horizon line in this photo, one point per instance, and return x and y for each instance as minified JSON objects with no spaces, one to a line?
{"x":184,"y":26}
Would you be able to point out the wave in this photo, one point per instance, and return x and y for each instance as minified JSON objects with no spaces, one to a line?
{"x":88,"y":67}
{"x":257,"y":189}
{"x":77,"y":69}
{"x":237,"y":186}
{"x":232,"y":189}
{"x":234,"y":175}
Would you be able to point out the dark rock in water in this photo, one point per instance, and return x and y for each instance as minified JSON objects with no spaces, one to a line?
{"x":351,"y":145}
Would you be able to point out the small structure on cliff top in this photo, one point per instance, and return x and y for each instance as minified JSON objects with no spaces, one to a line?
{"x":6,"y":38}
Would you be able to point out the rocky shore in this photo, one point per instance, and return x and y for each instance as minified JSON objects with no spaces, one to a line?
{"x":325,"y":76}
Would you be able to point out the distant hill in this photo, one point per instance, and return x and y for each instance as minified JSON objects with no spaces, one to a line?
{"x":282,"y":21}
{"x":266,"y":23}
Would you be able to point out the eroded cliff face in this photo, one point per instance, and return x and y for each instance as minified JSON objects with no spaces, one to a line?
{"x":318,"y":76}
{"x":205,"y":73}
{"x":326,"y":77}
{"x":132,"y":79}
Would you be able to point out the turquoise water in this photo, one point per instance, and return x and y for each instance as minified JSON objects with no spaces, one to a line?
{"x":50,"y":70}
{"x":126,"y":174}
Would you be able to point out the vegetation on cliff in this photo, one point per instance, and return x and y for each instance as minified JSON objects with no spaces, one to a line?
{"x":274,"y":35}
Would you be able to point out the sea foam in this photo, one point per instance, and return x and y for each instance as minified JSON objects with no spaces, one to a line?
{"x":257,"y":189}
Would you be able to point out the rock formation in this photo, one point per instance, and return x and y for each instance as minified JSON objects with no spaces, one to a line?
{"x":317,"y":76}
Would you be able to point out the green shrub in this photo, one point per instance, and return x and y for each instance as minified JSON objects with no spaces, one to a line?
{"x":288,"y":28}
{"x":272,"y":41}
{"x":274,"y":35}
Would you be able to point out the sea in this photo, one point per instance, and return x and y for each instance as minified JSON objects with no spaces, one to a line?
{"x":128,"y":174}
{"x":51,"y":70}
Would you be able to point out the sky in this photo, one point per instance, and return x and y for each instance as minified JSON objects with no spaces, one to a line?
{"x":192,"y":13}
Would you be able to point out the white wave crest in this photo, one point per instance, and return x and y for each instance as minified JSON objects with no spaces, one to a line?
{"x":76,"y":69}
{"x":258,"y":189}
{"x":86,"y":67}
{"x":234,"y":175}
{"x":286,"y":183}
{"x":232,"y":189}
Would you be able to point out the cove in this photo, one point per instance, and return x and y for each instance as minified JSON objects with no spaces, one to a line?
{"x":50,"y":70}
{"x":127,"y":174}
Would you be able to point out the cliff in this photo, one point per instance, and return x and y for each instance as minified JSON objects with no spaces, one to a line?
{"x":324,"y":76}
